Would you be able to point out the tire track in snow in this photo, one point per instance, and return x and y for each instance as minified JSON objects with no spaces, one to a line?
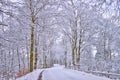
{"x":40,"y":76}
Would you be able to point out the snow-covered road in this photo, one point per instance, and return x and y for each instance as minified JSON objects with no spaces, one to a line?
{"x":60,"y":73}
{"x":67,"y":74}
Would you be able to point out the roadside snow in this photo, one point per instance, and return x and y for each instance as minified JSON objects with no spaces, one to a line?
{"x":84,"y":76}
{"x":31,"y":76}
{"x":60,"y":73}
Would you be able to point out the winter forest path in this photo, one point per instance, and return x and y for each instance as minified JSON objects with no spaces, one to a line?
{"x":58,"y":73}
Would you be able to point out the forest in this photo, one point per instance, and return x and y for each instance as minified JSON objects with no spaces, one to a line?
{"x":81,"y":34}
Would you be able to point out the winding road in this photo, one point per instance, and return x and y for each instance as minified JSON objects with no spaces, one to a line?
{"x":67,"y":74}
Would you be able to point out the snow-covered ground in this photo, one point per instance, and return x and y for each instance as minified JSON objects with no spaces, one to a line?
{"x":60,"y":73}
{"x":31,"y":76}
{"x":67,"y":74}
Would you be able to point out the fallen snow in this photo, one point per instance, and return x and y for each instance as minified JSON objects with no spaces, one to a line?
{"x":67,"y":74}
{"x":60,"y":73}
{"x":31,"y":76}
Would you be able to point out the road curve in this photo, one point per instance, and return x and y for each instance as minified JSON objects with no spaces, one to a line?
{"x":66,"y":74}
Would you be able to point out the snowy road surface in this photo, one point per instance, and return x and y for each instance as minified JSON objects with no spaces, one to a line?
{"x":67,"y":74}
{"x":60,"y":73}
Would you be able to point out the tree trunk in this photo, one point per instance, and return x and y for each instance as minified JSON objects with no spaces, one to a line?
{"x":32,"y":49}
{"x":18,"y":59}
{"x":73,"y":55}
{"x":36,"y":55}
{"x":27,"y":49}
{"x":79,"y":48}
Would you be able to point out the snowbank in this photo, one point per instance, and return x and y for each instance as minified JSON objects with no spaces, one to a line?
{"x":31,"y":76}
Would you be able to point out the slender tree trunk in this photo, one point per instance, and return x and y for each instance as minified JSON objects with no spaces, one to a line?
{"x":32,"y":49}
{"x":45,"y":62}
{"x":18,"y":59}
{"x":79,"y":48}
{"x":65,"y":58}
{"x":73,"y":55}
{"x":36,"y":54}
{"x":27,"y":53}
